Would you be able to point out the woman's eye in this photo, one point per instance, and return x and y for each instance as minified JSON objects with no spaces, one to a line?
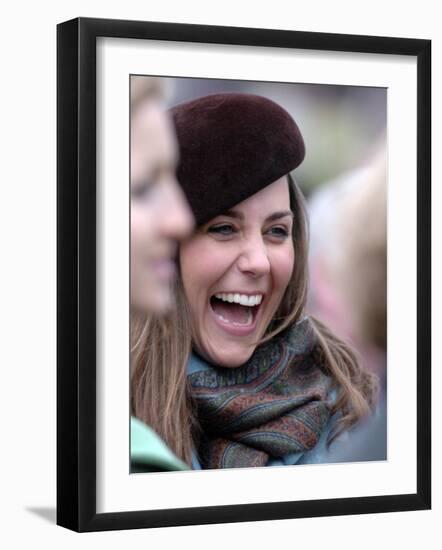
{"x":141,"y":190}
{"x":278,"y":231}
{"x":223,"y":229}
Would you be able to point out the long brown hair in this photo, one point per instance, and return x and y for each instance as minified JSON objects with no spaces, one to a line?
{"x":160,"y":395}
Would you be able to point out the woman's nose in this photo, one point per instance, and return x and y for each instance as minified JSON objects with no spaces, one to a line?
{"x":253,"y":259}
{"x":179,"y":221}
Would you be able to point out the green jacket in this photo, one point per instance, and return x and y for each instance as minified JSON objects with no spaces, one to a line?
{"x":148,"y":452}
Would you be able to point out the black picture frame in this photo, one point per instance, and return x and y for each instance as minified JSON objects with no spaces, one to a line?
{"x":77,"y":287}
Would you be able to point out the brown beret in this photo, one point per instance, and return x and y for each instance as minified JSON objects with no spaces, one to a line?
{"x":232,"y":145}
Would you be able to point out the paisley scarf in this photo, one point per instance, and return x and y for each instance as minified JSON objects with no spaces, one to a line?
{"x":273,"y":405}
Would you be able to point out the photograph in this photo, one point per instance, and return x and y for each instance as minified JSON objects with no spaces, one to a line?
{"x":258,"y":267}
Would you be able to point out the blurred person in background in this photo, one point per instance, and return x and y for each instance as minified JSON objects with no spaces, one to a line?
{"x":159,"y":211}
{"x":159,"y":217}
{"x":349,"y":281}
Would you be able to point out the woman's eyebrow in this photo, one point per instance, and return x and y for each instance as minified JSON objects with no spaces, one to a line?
{"x":275,"y":216}
{"x":233,"y":214}
{"x":278,"y":215}
{"x":160,"y":167}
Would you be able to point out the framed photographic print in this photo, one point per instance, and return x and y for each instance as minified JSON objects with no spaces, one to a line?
{"x":243,"y":276}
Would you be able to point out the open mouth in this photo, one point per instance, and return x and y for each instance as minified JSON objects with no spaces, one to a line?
{"x":239,"y":310}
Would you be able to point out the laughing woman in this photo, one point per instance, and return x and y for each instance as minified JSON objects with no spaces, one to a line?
{"x":267,"y":385}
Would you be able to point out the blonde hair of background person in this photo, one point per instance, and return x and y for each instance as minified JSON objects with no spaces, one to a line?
{"x":164,"y":344}
{"x":349,"y":257}
{"x":361,"y":274}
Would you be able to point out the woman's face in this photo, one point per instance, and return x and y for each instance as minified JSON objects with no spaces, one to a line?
{"x":235,"y":270}
{"x":159,"y":212}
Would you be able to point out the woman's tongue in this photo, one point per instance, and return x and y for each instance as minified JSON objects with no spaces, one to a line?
{"x":233,"y":313}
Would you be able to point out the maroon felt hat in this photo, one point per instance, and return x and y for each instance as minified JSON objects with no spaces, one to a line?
{"x":232,"y":145}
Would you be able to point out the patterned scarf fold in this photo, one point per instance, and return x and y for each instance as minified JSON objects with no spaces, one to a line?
{"x":273,"y":405}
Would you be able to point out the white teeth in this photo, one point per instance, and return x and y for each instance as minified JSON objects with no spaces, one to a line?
{"x":241,"y":299}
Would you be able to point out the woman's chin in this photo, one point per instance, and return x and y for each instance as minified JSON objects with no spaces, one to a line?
{"x":230,"y":358}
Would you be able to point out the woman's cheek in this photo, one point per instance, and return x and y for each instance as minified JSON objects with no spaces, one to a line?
{"x":137,"y":230}
{"x":283,"y":266}
{"x":143,"y":221}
